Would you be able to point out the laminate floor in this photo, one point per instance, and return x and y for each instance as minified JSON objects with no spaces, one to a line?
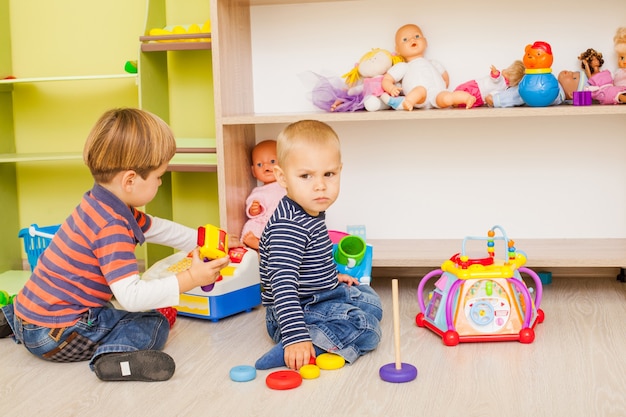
{"x":575,"y":367}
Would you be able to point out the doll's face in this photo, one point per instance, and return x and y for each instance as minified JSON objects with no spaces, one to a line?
{"x":537,"y":58}
{"x":410,"y":42}
{"x":569,"y":81}
{"x":375,"y":65}
{"x":263,"y":161}
{"x":621,"y":55}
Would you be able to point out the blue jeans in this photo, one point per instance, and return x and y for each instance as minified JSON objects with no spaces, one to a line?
{"x":99,"y":331}
{"x":345,"y":321}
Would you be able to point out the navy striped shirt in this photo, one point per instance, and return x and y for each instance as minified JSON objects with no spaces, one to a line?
{"x":296,"y":263}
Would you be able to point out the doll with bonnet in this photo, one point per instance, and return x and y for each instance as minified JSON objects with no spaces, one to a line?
{"x":362,"y":86}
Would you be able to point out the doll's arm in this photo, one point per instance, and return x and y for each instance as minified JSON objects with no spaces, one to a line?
{"x":255,"y":208}
{"x":446,"y":78}
{"x":390,"y":87}
{"x":587,"y":69}
{"x":495,"y":73}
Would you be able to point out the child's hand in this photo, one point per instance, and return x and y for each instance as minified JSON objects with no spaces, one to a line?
{"x":299,"y":354}
{"x":201,"y":273}
{"x":347,"y":279}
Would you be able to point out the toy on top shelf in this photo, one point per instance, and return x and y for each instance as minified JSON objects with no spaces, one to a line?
{"x":177,"y":37}
{"x":362,"y":87}
{"x":539,"y":87}
{"x":619,"y":41}
{"x":482,"y":299}
{"x":353,"y":256}
{"x":424,"y":82}
{"x":600,"y":87}
{"x":591,"y":61}
{"x":484,"y":87}
{"x":262,"y":200}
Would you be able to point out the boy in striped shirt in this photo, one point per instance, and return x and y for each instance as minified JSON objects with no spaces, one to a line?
{"x":63,"y":313}
{"x":310,"y":308}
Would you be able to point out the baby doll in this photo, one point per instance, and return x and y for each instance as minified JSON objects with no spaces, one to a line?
{"x":570,"y":81}
{"x":424,"y":82}
{"x":591,"y":61}
{"x":619,"y":42}
{"x":362,"y":87}
{"x":263,"y":199}
{"x":496,"y":81}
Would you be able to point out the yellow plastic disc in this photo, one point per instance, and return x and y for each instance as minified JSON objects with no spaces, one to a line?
{"x":310,"y":371}
{"x":330,"y":361}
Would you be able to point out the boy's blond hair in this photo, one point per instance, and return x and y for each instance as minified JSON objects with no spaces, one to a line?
{"x":127,"y":139}
{"x":311,"y":132}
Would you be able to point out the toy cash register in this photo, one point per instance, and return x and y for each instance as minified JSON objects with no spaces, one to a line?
{"x":237,"y":289}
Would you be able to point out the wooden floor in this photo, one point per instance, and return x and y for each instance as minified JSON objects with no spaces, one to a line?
{"x":575,"y":367}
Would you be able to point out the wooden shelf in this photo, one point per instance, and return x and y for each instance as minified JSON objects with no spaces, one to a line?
{"x":66,"y":78}
{"x":431,"y":114}
{"x":193,"y":162}
{"x":414,"y":253}
{"x":36,"y":157}
{"x":180,"y":42}
{"x":194,"y":155}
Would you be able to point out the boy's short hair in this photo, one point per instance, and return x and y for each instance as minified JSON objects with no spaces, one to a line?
{"x":304,"y":131}
{"x":127,"y":139}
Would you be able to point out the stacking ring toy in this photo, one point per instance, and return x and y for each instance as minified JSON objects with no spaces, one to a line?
{"x":330,"y":361}
{"x":310,"y":371}
{"x":242,"y":373}
{"x":282,"y":380}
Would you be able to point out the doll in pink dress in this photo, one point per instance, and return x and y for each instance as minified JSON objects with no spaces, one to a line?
{"x":263,"y":199}
{"x":496,"y":81}
{"x":603,"y":86}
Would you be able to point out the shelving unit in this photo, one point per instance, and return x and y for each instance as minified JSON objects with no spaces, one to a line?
{"x":48,"y":101}
{"x":238,"y":126}
{"x":194,"y":155}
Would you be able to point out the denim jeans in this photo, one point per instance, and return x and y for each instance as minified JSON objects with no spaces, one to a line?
{"x":99,"y":331}
{"x":345,"y":320}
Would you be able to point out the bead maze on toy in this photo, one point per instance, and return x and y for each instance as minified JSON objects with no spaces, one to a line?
{"x":237,"y":289}
{"x":483,"y":299}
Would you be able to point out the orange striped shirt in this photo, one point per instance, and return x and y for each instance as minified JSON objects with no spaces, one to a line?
{"x":93,"y":248}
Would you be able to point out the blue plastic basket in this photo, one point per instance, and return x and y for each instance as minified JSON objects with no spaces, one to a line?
{"x":36,"y":239}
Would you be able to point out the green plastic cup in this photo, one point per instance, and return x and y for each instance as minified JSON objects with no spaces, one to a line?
{"x":350,"y":251}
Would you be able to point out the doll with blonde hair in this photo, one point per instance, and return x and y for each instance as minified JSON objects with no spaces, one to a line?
{"x":360,"y":88}
{"x":496,"y":81}
{"x":619,"y":41}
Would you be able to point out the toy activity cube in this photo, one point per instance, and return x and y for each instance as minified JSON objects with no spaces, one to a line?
{"x":482,"y":299}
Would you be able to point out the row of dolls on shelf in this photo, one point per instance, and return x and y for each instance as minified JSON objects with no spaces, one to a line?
{"x":406,"y":80}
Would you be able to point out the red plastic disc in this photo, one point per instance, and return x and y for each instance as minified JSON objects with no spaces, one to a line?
{"x":282,"y":380}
